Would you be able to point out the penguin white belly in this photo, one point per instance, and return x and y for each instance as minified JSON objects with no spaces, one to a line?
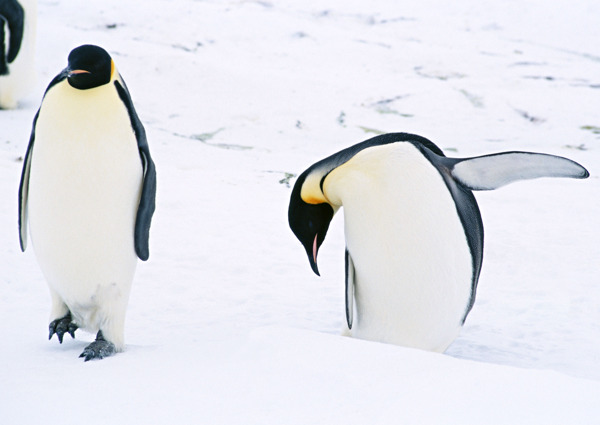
{"x":21,"y":77}
{"x":84,"y":191}
{"x":413,"y":266}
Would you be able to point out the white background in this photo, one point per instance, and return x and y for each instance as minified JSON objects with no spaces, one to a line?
{"x":227,"y":324}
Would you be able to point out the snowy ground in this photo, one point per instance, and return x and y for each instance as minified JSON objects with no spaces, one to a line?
{"x":227,"y":324}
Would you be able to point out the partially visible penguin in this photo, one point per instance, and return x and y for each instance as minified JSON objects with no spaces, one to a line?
{"x":88,"y":191}
{"x":17,"y":50}
{"x":414,"y":235}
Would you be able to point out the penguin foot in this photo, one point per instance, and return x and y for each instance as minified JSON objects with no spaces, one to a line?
{"x":98,"y":349}
{"x":62,"y":326}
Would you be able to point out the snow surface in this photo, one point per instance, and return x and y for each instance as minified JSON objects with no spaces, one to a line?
{"x":227,"y":324}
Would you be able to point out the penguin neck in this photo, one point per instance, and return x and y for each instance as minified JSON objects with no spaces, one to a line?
{"x":378,"y":172}
{"x":68,"y":105}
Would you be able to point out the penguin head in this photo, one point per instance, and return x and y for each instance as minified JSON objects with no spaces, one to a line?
{"x":309,"y":218}
{"x":89,"y":67}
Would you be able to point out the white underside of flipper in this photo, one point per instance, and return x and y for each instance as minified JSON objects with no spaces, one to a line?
{"x":493,"y":171}
{"x":413,"y":267}
{"x":84,"y":189}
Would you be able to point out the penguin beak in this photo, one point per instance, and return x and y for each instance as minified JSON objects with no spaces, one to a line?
{"x":312,"y":256}
{"x":77,"y":71}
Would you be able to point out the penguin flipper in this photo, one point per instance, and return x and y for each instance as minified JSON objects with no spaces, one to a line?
{"x":489,"y":172}
{"x":24,"y":188}
{"x":146,"y":207}
{"x":350,"y":276}
{"x":13,"y":13}
{"x":147,"y":200}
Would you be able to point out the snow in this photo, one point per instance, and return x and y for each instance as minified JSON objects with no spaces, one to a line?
{"x":227,"y":324}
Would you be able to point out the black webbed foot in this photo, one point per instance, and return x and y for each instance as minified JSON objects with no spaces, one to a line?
{"x":61,"y":326}
{"x":98,"y":349}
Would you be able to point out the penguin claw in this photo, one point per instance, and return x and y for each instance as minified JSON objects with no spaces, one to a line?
{"x":61,"y":326}
{"x":98,"y":349}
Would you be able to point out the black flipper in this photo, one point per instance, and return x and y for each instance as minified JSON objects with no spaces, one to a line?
{"x":350,"y":275}
{"x":24,"y":188}
{"x":14,"y":15}
{"x":98,"y":349}
{"x":147,"y":200}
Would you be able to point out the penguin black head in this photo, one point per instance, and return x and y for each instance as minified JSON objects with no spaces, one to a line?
{"x":89,"y":67}
{"x":309,"y":221}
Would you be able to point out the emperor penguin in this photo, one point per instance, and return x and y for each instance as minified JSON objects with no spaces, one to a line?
{"x":414,"y":235}
{"x":88,"y":192}
{"x":18,"y":21}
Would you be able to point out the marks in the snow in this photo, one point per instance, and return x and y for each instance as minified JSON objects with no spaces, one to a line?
{"x":581,"y":147}
{"x":364,"y":18}
{"x":585,"y":83}
{"x":374,"y":43}
{"x":373,"y":20}
{"x":286,"y":177}
{"x":540,"y":77}
{"x":229,"y":146}
{"x":265,"y":4}
{"x":205,"y":137}
{"x":476,"y":101}
{"x":576,"y":82}
{"x":300,"y":34}
{"x":584,"y":55}
{"x":101,"y":27}
{"x":387,"y":106}
{"x":532,"y":119}
{"x":438,"y":75}
{"x":370,"y":130}
{"x":528,"y":63}
{"x":190,"y":49}
{"x":593,"y":128}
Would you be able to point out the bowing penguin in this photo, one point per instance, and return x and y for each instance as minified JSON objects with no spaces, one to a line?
{"x":88,"y":192}
{"x":17,"y":50}
{"x":414,"y":235}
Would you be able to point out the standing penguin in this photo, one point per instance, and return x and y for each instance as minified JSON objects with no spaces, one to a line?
{"x":17,"y":49}
{"x":414,"y":235}
{"x":88,"y":188}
